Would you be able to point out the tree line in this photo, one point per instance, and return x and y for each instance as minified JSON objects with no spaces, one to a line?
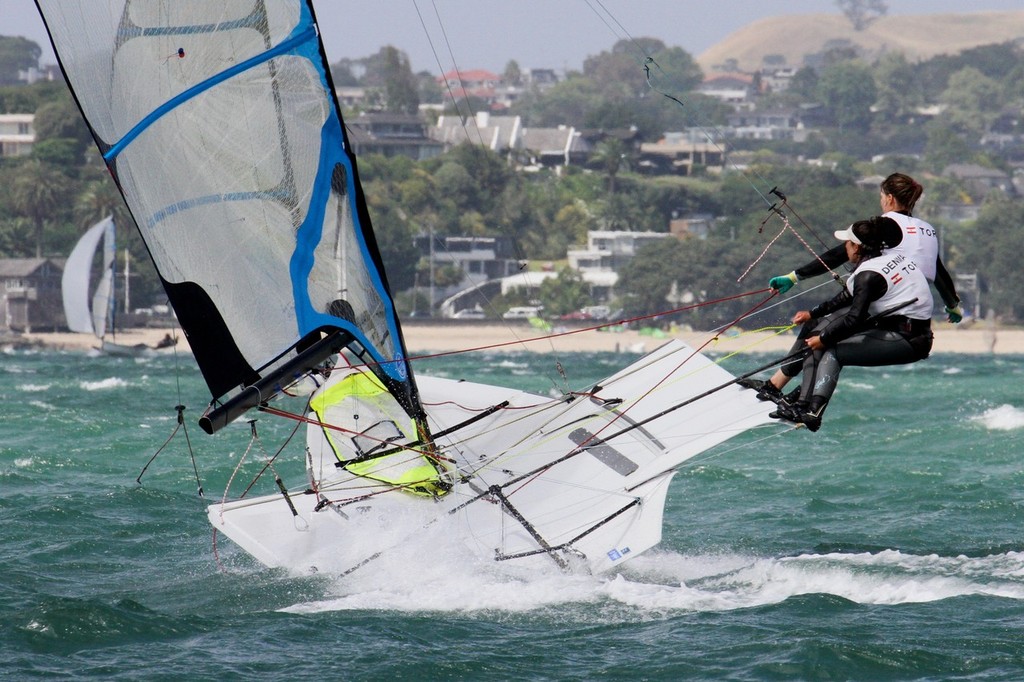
{"x":50,"y":197}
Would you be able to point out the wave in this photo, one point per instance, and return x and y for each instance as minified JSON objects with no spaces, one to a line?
{"x":661,"y":583}
{"x":103,"y":384}
{"x":1002,"y":418}
{"x":34,"y":388}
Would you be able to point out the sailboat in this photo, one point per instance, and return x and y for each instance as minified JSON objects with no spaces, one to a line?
{"x":90,"y":309}
{"x":220,"y":126}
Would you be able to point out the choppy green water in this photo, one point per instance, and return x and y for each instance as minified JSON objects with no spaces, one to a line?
{"x":890,"y":545}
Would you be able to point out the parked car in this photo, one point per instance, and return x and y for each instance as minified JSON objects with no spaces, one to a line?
{"x":523,"y":312}
{"x":469,"y":314}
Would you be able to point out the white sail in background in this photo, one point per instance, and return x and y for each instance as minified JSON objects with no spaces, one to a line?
{"x":87,"y":308}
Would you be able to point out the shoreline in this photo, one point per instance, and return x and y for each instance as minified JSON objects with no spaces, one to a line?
{"x":447,"y":337}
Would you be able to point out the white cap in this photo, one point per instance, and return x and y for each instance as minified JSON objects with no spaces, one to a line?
{"x":847,"y":235}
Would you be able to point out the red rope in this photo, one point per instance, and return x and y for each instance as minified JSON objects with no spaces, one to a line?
{"x":546,"y":337}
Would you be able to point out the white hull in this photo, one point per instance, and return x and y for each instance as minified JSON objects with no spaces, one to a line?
{"x":593,"y":510}
{"x":120,"y":349}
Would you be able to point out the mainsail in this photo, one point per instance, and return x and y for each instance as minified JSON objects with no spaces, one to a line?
{"x":85,"y":314}
{"x":219,"y":123}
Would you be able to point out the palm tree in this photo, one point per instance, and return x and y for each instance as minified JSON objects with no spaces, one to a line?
{"x":611,"y":155}
{"x":99,"y":199}
{"x":36,"y":190}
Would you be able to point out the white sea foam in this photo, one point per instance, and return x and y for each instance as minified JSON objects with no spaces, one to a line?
{"x":103,"y":384}
{"x":34,"y":388}
{"x":860,"y":385}
{"x":1002,"y":418}
{"x":664,"y":582}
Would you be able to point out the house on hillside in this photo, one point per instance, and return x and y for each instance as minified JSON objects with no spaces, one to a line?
{"x":979,"y":180}
{"x":500,"y":134}
{"x":610,"y":250}
{"x":30,"y":295}
{"x":17,"y":134}
{"x":505,"y":135}
{"x":478,"y":83}
{"x":768,"y":124}
{"x":737,"y":89}
{"x":551,"y":147}
{"x":479,"y":258}
{"x":392,"y":135}
{"x":680,"y":154}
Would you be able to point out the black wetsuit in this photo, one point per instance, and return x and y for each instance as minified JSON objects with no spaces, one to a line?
{"x":840,"y":324}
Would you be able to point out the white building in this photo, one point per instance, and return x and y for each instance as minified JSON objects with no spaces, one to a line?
{"x":17,"y":134}
{"x":609,"y":250}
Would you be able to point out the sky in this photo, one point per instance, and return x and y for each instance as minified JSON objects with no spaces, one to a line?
{"x":558,"y":34}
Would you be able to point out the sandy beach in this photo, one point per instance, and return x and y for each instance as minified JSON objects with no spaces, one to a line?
{"x":441,"y":337}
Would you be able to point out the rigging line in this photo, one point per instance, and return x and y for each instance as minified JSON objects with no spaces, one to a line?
{"x":270,"y":461}
{"x":785,"y":202}
{"x":835,"y":276}
{"x":646,"y":61}
{"x":302,"y":419}
{"x":788,"y":299}
{"x":605,"y":325}
{"x":179,"y":424}
{"x":637,"y":424}
{"x":455,"y":101}
{"x":795,"y":355}
{"x":433,"y":49}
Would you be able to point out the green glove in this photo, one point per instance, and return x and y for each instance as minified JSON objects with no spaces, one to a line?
{"x":956,"y":313}
{"x":783,"y":283}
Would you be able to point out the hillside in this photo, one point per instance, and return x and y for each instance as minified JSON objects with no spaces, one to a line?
{"x":918,"y":37}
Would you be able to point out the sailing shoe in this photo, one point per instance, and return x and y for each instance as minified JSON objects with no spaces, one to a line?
{"x":798,"y":413}
{"x":769,"y":392}
{"x":765,"y":389}
{"x":754,"y":384}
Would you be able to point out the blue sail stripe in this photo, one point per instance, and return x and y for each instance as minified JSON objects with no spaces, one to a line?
{"x":167,"y":211}
{"x":309,"y":234}
{"x":125,"y":34}
{"x":195,"y":90}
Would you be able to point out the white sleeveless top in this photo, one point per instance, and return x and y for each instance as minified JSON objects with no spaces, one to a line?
{"x":905,"y":281}
{"x":920,"y":242}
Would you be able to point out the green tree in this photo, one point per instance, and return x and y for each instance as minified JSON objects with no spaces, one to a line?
{"x":994,"y":256}
{"x":944,"y":147}
{"x":973,"y":101}
{"x":60,"y":119}
{"x":848,"y":89}
{"x":389,"y":72}
{"x":564,"y":294}
{"x":611,"y":156}
{"x":568,"y":101}
{"x":37,"y":189}
{"x":513,"y":75}
{"x":899,"y":92}
{"x":862,"y":13}
{"x":343,"y":75}
{"x":17,"y":54}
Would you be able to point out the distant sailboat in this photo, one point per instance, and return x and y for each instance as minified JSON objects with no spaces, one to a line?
{"x":220,"y":125}
{"x":90,"y":309}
